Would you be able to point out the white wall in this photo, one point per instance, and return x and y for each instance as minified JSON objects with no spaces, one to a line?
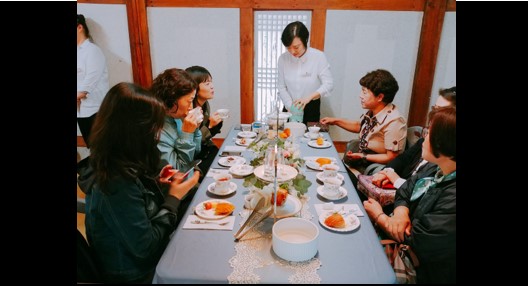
{"x":445,"y":76}
{"x":109,"y":29}
{"x":208,"y":37}
{"x":358,"y":42}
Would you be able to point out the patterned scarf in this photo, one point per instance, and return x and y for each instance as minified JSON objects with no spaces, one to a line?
{"x":368,"y":124}
{"x":424,"y":184}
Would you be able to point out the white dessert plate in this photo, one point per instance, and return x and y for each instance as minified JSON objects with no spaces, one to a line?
{"x":241,"y":170}
{"x":231,"y":161}
{"x":314,"y":144}
{"x":201,"y":212}
{"x":351,"y":222}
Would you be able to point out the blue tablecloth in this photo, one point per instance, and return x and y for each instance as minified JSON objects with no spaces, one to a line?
{"x":201,"y":256}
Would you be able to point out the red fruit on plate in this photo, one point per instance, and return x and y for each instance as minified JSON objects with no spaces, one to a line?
{"x":281,"y":197}
{"x":208,"y":205}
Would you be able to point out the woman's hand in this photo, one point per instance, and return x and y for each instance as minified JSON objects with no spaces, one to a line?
{"x":189,"y":123}
{"x":389,"y":174}
{"x":302,"y":102}
{"x":214,"y":120}
{"x":399,"y":224}
{"x":373,"y":208}
{"x":379,"y":179}
{"x":354,"y":156}
{"x":166,"y":174}
{"x":179,"y":189}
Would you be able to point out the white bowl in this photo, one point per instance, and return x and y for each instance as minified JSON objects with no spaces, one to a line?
{"x":295,"y":239}
{"x":314,"y":129}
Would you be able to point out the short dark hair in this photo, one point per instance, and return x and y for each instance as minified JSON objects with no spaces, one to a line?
{"x":123,"y":139}
{"x":381,"y":81}
{"x":295,"y":29}
{"x":172,"y":84}
{"x":199,"y":74}
{"x":449,"y":94}
{"x":442,"y":132}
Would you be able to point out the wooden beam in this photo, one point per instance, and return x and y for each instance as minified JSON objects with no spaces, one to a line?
{"x":139,"y":42}
{"x":102,"y":1}
{"x":432,"y":22}
{"x":382,"y":5}
{"x":247,"y":108}
{"x":318,"y":28}
{"x":451,"y":5}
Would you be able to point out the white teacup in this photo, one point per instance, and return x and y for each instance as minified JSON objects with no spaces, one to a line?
{"x":222,"y":182}
{"x":330,"y":170}
{"x":245,"y":127}
{"x":331,"y":187}
{"x":197,"y":114}
{"x":314,"y":129}
{"x":223,"y":113}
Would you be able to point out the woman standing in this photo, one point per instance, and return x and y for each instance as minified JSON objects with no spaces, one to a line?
{"x":128,"y":219}
{"x":304,"y":74}
{"x":92,"y":79}
{"x":212,"y":123}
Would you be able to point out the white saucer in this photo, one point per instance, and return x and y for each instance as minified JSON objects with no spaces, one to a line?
{"x":321,"y":177}
{"x":241,"y":170}
{"x":232,"y":188}
{"x":313,"y":144}
{"x":307,"y":135}
{"x":247,"y":134}
{"x":342,"y":193}
{"x":351,"y":222}
{"x":231,"y":161}
{"x":239,"y":142}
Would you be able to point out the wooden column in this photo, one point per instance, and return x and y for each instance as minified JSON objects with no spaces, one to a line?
{"x":317,"y":34}
{"x":247,"y":108}
{"x":432,"y":22}
{"x":139,"y":42}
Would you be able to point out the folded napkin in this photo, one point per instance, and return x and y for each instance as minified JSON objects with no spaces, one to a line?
{"x":234,"y":148}
{"x":209,"y":224}
{"x":212,"y":172}
{"x":352,"y":208}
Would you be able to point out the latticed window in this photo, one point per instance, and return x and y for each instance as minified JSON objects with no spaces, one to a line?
{"x":268,"y":46}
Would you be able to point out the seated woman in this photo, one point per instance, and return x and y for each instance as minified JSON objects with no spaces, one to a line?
{"x":410,"y":161}
{"x":382,"y":129}
{"x":429,"y":202}
{"x":128,"y":219}
{"x":212,"y":123}
{"x":181,"y":138}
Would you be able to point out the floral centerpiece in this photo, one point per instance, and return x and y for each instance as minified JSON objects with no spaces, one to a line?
{"x":291,"y":156}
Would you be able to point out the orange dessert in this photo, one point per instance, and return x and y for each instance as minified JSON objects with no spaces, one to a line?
{"x":320,"y":141}
{"x":323,"y":161}
{"x":335,"y":220}
{"x":281,"y":197}
{"x":224,"y":208}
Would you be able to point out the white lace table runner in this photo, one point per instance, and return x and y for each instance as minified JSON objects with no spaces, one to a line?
{"x":253,"y":251}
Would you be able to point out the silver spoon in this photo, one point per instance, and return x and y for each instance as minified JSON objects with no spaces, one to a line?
{"x":210,"y":222}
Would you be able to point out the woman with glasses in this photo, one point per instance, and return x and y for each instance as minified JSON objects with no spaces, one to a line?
{"x":425,"y":206}
{"x":410,"y":161}
{"x":382,"y":129}
{"x":92,"y":79}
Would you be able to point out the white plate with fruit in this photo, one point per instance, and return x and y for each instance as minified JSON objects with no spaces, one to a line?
{"x":214,"y":209}
{"x":336,"y":221}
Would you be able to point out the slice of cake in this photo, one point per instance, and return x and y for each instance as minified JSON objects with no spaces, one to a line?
{"x":335,"y":220}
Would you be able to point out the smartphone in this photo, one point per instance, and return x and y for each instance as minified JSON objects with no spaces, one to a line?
{"x":191,"y":167}
{"x":232,"y":153}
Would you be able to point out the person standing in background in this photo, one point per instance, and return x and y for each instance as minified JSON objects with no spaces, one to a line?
{"x":304,"y":74}
{"x":92,"y":79}
{"x":212,"y":123}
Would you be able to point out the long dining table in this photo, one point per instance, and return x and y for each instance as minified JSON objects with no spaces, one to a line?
{"x":204,"y":256}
